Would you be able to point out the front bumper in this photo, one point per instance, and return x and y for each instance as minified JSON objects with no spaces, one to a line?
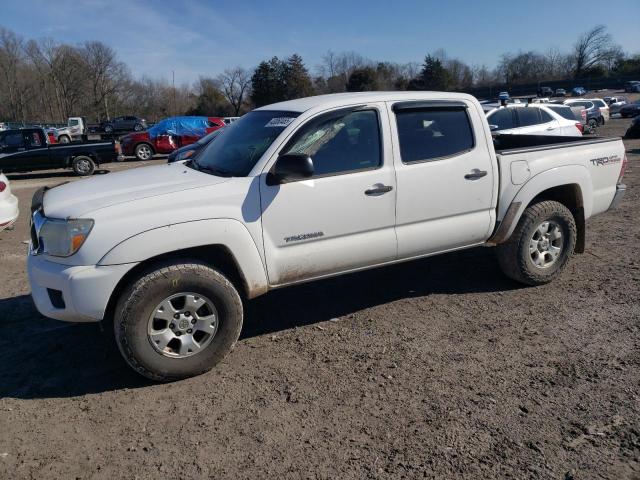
{"x":621,"y":189}
{"x":73,"y":293}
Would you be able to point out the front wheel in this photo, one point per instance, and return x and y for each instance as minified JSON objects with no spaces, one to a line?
{"x":178,"y":321}
{"x":64,"y":139}
{"x":541,"y":244}
{"x":108,"y":129}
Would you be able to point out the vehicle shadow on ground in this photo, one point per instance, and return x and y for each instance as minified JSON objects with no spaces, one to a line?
{"x":47,"y":175}
{"x":468,"y":271}
{"x":42,"y":358}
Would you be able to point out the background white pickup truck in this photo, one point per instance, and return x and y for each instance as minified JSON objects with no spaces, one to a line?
{"x":303,"y":190}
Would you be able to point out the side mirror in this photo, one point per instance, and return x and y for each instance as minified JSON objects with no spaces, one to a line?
{"x":493,"y":128}
{"x":290,"y":167}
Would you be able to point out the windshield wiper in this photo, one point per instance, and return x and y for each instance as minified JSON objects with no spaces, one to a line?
{"x":218,"y":172}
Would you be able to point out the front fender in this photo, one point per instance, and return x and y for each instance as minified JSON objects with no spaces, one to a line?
{"x":555,"y":177}
{"x":170,"y":238}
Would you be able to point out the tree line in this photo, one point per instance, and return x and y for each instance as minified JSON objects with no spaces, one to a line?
{"x":47,"y":81}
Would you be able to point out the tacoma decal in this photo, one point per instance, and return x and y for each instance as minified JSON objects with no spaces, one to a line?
{"x":303,"y":236}
{"x":606,"y":160}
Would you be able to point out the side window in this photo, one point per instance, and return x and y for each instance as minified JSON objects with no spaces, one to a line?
{"x":340,"y":142}
{"x":528,"y":116}
{"x":503,"y":119}
{"x":433,"y":133}
{"x":33,"y":140}
{"x":14,"y":140}
{"x":545,"y":117}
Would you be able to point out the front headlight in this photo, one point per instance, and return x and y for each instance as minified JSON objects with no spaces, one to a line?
{"x":63,"y":238}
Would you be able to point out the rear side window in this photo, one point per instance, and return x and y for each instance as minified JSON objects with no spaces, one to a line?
{"x":564,"y":112}
{"x":34,"y":140}
{"x":433,"y":133}
{"x":14,"y":139}
{"x":340,"y":142}
{"x":503,"y":119}
{"x":528,"y":116}
{"x":545,"y":117}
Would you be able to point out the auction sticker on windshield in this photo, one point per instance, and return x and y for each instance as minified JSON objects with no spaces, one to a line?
{"x":280,"y":121}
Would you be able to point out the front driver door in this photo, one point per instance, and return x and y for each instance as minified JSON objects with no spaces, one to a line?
{"x":343,"y":217}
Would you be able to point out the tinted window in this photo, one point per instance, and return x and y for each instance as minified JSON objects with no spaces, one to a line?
{"x":528,"y":116}
{"x":564,"y":112}
{"x":503,"y":118}
{"x":545,"y":117}
{"x":236,"y":152}
{"x":74,"y":122}
{"x":34,"y":140}
{"x":599,"y":103}
{"x":340,"y":142}
{"x":432,"y":133}
{"x":14,"y":139}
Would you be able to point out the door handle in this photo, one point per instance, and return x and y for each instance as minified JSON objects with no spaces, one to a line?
{"x":551,"y":128}
{"x":378,"y":189}
{"x":475,"y":174}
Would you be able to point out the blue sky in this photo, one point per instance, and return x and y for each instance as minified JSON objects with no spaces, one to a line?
{"x":202,"y":37}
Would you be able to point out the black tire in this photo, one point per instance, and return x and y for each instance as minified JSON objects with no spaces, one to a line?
{"x":64,"y":139}
{"x":139,"y":300}
{"x":83,"y":166}
{"x":592,"y":126}
{"x":144,"y":151}
{"x":138,"y":128}
{"x":108,"y":129}
{"x":514,"y":256}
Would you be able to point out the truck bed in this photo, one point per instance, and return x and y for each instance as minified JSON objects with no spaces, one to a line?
{"x":508,"y":144}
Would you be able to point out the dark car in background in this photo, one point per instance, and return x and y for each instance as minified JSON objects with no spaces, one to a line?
{"x":630,"y":109}
{"x":124,"y":124}
{"x":560,"y":92}
{"x":27,"y":150}
{"x":634,"y":129}
{"x":632,"y":86}
{"x":545,"y":92}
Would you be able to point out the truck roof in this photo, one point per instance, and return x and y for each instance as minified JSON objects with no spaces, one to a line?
{"x":343,"y":99}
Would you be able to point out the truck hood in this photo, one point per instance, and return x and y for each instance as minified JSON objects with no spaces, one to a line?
{"x":79,"y":198}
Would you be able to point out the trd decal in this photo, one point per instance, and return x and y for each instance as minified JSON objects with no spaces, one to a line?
{"x":606,"y":160}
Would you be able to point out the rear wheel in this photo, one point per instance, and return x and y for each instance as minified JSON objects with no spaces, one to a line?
{"x":64,"y":139}
{"x":541,"y":244}
{"x":143,"y":152}
{"x":178,"y":321}
{"x":83,"y":166}
{"x":592,"y":126}
{"x":108,"y":128}
{"x":138,"y":128}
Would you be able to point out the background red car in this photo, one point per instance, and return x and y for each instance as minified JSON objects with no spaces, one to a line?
{"x":168,"y":135}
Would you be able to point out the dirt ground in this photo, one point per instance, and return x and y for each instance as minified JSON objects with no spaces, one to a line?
{"x":441,"y":368}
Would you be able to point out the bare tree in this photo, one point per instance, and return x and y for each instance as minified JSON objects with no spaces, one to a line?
{"x":592,"y":48}
{"x":10,"y":59}
{"x":106,"y":75}
{"x":234,"y":84}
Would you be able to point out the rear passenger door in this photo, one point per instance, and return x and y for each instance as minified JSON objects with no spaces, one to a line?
{"x":446,"y":177}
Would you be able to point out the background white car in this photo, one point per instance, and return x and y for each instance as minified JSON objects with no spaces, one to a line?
{"x":8,"y":204}
{"x":534,"y":119}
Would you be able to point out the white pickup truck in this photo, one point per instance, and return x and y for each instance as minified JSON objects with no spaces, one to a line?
{"x":303,"y":190}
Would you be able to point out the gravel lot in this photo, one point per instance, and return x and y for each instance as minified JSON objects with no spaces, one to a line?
{"x":440,"y":368}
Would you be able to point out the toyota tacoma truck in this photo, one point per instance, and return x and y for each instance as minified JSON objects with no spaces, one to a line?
{"x":299,"y":191}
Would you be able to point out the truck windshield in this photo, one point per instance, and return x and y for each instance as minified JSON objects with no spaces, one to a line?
{"x":236,"y":152}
